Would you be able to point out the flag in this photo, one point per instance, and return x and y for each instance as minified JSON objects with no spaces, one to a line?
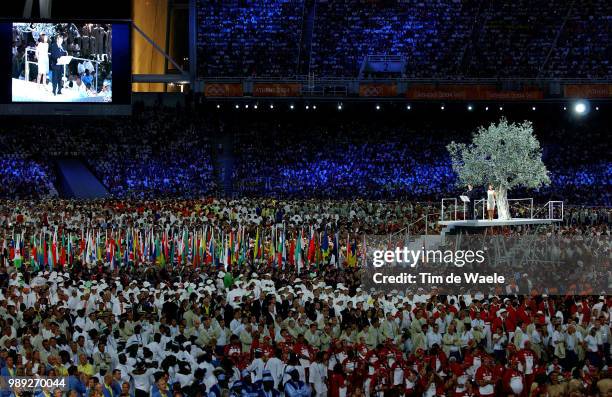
{"x":364,"y":252}
{"x":325,"y":245}
{"x":282,"y":251}
{"x":69,"y":249}
{"x":349,"y":253}
{"x":160,"y":260}
{"x":18,"y":259}
{"x":298,"y":252}
{"x":54,"y":250}
{"x":211,"y":248}
{"x":311,"y":247}
{"x":336,"y":254}
{"x":351,"y":256}
{"x":33,"y":255}
{"x":196,"y":249}
{"x":291,"y":256}
{"x":256,"y":247}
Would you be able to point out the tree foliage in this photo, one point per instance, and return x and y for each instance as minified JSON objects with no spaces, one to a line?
{"x":507,"y":155}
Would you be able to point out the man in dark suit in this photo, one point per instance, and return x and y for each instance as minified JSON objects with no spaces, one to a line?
{"x":469,"y":207}
{"x":348,"y":315}
{"x":57,"y":51}
{"x":259,"y":306}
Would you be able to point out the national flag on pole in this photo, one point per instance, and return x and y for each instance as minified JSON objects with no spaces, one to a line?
{"x":336,"y":252}
{"x":33,"y":254}
{"x":291,"y":256}
{"x":256,"y":247}
{"x":18,"y":259}
{"x":311,"y":247}
{"x":160,"y":259}
{"x":298,"y":252}
{"x":325,"y":245}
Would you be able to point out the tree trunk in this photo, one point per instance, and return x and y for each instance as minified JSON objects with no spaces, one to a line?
{"x":503,"y":211}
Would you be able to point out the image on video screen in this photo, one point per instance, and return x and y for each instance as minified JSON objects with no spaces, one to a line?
{"x":62,"y":62}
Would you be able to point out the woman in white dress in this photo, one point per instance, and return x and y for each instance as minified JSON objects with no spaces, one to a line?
{"x":42,"y":55}
{"x":491,"y":196}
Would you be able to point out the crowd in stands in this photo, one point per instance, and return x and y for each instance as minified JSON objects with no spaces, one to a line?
{"x":581,"y":48}
{"x":430,"y":35}
{"x":259,"y":330}
{"x":153,"y":154}
{"x":440,"y":39}
{"x":364,"y":216}
{"x":509,"y":42}
{"x":547,"y":39}
{"x":166,"y":157}
{"x":156,"y":153}
{"x":25,"y":178}
{"x":238,"y":39}
{"x":392,"y":158}
{"x":339,"y":161}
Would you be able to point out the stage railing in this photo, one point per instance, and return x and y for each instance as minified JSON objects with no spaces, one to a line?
{"x":477,"y":203}
{"x":552,"y":208}
{"x":426,"y":221}
{"x":453,"y":200}
{"x":519,"y":200}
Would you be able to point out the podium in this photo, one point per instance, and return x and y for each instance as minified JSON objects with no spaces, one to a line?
{"x":465,"y":200}
{"x":64,"y":60}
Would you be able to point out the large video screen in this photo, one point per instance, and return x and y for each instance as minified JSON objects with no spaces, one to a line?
{"x":62,"y":62}
{"x":65,"y":66}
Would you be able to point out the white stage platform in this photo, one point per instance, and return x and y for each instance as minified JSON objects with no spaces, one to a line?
{"x":29,"y":91}
{"x":498,"y":222}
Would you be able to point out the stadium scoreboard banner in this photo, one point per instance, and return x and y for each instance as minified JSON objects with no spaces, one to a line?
{"x":223,"y":90}
{"x":417,"y":91}
{"x":277,"y":89}
{"x":470,"y":92}
{"x":590,"y":91}
{"x":377,"y":90}
{"x":65,"y":66}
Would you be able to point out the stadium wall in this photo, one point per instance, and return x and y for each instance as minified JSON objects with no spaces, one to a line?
{"x":152,"y":18}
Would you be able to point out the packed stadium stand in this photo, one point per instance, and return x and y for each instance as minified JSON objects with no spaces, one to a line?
{"x":163,"y":154}
{"x":359,"y":153}
{"x":390,"y":157}
{"x":238,"y":39}
{"x":557,"y":38}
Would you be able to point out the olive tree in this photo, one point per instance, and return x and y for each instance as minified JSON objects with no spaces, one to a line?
{"x":506,"y":155}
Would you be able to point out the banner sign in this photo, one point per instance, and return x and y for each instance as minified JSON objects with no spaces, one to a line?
{"x":587,"y":90}
{"x":277,"y":89}
{"x":446,"y":92}
{"x":470,"y":92}
{"x":222,"y":89}
{"x":377,"y":90}
{"x":527,"y":93}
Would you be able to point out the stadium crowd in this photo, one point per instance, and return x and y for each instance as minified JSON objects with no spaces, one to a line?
{"x":389,"y":157}
{"x":22,"y":177}
{"x":364,"y":216}
{"x":172,"y":153}
{"x":164,"y":154}
{"x":258,"y":330}
{"x":240,"y":40}
{"x":443,"y":39}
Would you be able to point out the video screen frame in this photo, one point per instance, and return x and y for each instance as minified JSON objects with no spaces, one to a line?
{"x":75,"y":58}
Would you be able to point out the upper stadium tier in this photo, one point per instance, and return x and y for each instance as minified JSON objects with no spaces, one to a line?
{"x":434,"y":39}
